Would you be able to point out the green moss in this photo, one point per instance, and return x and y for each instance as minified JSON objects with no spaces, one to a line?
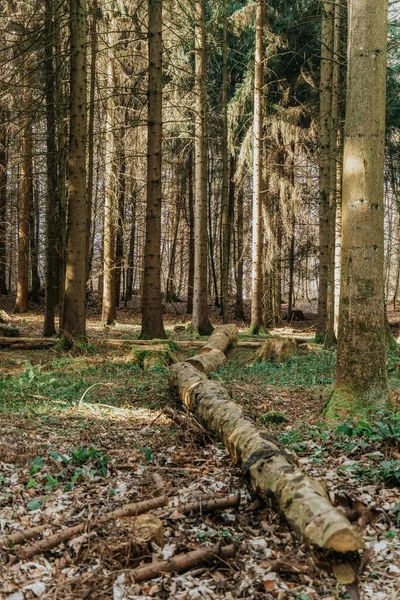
{"x":345,"y":402}
{"x":255,"y":330}
{"x":274,"y":416}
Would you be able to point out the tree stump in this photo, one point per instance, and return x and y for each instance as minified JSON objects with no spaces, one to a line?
{"x":151,"y":356}
{"x":278,"y":351}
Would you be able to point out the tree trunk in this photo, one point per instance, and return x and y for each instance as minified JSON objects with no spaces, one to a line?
{"x":189,"y":308}
{"x":90,"y":172}
{"x":34,"y":243}
{"x":201,"y":322}
{"x":225,"y":221}
{"x":131,"y":255}
{"x":3,"y":200}
{"x":257,"y":234}
{"x":119,"y":246}
{"x":109,"y":307}
{"x":239,"y":313}
{"x":152,"y":319}
{"x":291,"y":270}
{"x":361,"y":377}
{"x":62,"y":132}
{"x":325,"y":163}
{"x":270,"y":471}
{"x":73,"y":324}
{"x":330,"y":336}
{"x":52,"y":200}
{"x":25,"y":204}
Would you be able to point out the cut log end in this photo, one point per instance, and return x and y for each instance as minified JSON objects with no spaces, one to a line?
{"x":345,"y":540}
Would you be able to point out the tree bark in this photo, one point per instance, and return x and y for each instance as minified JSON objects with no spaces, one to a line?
{"x":361,"y":377}
{"x":325,"y":163}
{"x":200,"y":319}
{"x":3,"y":199}
{"x":225,"y":221}
{"x":52,"y":200}
{"x":90,"y":171}
{"x":189,"y":308}
{"x":152,"y":319}
{"x":109,"y":306}
{"x":330,"y":336}
{"x":73,"y":325}
{"x":257,"y":233}
{"x":25,"y":204}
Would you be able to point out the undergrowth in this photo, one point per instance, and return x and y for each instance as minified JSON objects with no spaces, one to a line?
{"x":61,"y":383}
{"x":369,"y":451}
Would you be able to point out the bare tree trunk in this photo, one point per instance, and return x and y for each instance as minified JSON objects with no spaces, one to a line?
{"x":131,"y":255}
{"x":109,"y":307}
{"x":291,"y":270}
{"x":90,"y":172}
{"x":152,"y":319}
{"x":361,"y":377}
{"x":34,"y":244}
{"x":257,"y":235}
{"x":25,"y":204}
{"x":325,"y":163}
{"x":73,"y":325}
{"x":239,"y":313}
{"x":225,"y":175}
{"x":62,"y":133}
{"x":189,"y":308}
{"x":52,"y":199}
{"x":200,"y":319}
{"x":3,"y":199}
{"x":211,"y":240}
{"x":330,"y":336}
{"x":119,"y":246}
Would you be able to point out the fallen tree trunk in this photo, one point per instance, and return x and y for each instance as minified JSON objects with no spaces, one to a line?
{"x":130,"y":510}
{"x":221,"y":338}
{"x":184,"y":562}
{"x":207,"y":363}
{"x":302,"y":500}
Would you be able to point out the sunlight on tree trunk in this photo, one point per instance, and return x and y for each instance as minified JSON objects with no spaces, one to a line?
{"x":361,"y":377}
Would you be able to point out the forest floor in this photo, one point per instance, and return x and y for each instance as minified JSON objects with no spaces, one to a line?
{"x":63,"y":461}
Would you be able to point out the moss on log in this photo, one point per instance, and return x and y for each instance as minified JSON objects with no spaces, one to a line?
{"x":207,"y":363}
{"x":302,"y":500}
{"x":151,"y":356}
{"x":271,"y":473}
{"x":221,"y":338}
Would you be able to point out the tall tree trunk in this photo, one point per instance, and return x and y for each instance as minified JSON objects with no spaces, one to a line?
{"x":62,"y":133}
{"x":131,"y":255}
{"x":109,"y":307}
{"x":325,"y":163}
{"x":257,"y":233}
{"x":211,"y":239}
{"x":34,"y":244}
{"x":25,"y":204}
{"x":73,"y":324}
{"x":3,"y":200}
{"x":291,"y":270}
{"x":200,"y":319}
{"x":330,"y":336}
{"x":225,"y":175}
{"x":361,"y":377}
{"x":152,"y":319}
{"x":119,"y":245}
{"x":52,"y":199}
{"x":239,"y":312}
{"x":90,"y":172}
{"x":189,"y":308}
